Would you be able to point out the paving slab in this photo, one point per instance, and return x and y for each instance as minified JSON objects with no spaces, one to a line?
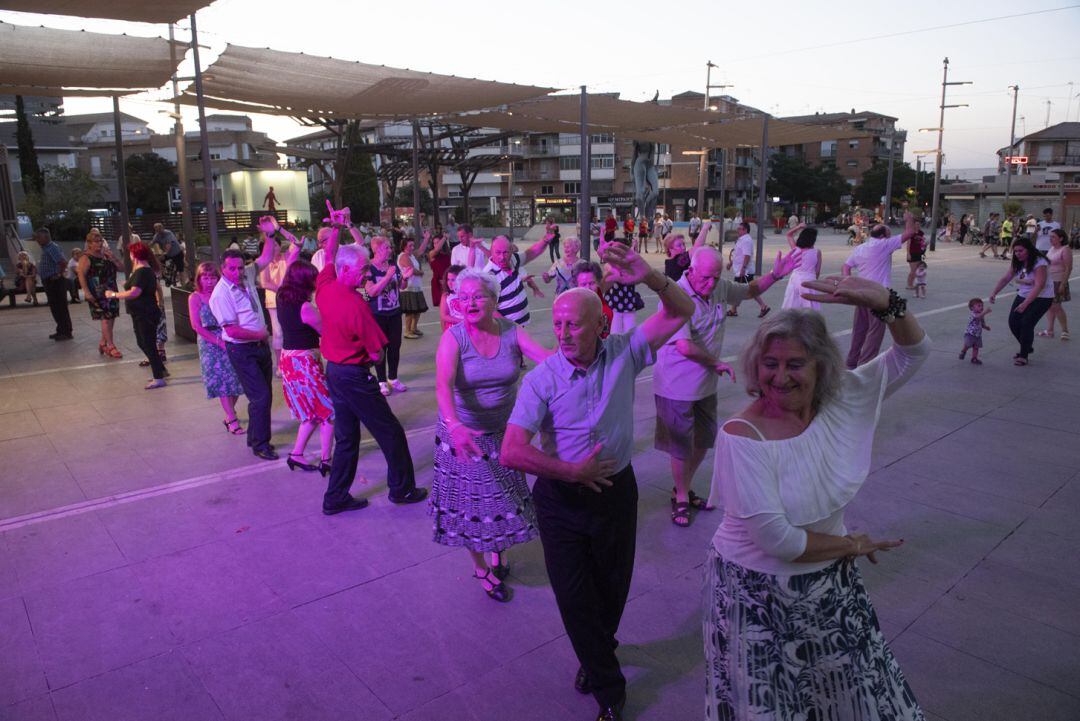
{"x":21,"y":673}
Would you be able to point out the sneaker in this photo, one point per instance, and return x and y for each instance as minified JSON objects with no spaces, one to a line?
{"x":384,"y":388}
{"x":398,"y":386}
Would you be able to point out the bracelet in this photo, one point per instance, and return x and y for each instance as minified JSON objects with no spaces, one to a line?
{"x":897,"y":308}
{"x":667,"y":285}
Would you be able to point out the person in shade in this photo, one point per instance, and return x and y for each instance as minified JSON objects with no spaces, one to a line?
{"x":581,"y":402}
{"x":50,"y":269}
{"x":141,"y":301}
{"x":789,"y":629}
{"x":351,"y":342}
{"x":476,"y":502}
{"x":239,"y":313}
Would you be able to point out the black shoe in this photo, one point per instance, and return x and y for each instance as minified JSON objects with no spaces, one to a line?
{"x":613,"y":712}
{"x":324,"y":467}
{"x":63,"y":336}
{"x":267,"y":454}
{"x":498,"y":592}
{"x":293,"y":464}
{"x":414,"y":496}
{"x":353,"y":504}
{"x":581,"y":682}
{"x":53,"y":336}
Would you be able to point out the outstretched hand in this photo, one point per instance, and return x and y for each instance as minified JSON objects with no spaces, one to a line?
{"x":786,"y":263}
{"x":627,"y":267}
{"x":866,"y":546}
{"x":338,"y":217}
{"x":268,"y":224}
{"x":848,"y":290}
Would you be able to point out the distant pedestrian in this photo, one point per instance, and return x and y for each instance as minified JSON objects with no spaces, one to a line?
{"x":920,"y":280}
{"x":741,"y":265}
{"x":96,"y":273}
{"x":50,"y":269}
{"x":26,"y":277}
{"x":71,"y":277}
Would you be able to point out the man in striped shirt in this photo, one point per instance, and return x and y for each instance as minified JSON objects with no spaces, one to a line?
{"x":506,"y":265}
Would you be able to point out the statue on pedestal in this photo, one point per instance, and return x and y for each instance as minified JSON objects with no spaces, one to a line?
{"x":646,"y":181}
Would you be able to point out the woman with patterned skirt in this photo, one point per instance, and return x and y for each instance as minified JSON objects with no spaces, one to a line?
{"x":789,"y":629}
{"x":96,"y":273}
{"x":477,"y":503}
{"x":303,"y":377}
{"x":217,"y":372}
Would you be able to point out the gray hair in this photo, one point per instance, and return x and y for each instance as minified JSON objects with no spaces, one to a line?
{"x":350,"y":255}
{"x":488,"y":285}
{"x":706,"y":252}
{"x":806,"y":327}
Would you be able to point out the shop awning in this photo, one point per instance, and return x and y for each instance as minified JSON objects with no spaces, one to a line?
{"x":300,"y":85}
{"x":146,"y":11}
{"x":56,"y":59}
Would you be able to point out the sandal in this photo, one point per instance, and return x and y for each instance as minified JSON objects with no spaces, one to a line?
{"x":501,"y":570}
{"x":499,"y":591}
{"x":732,"y":313}
{"x":1065,"y":335}
{"x":680,"y":514}
{"x":113,"y":352}
{"x":764,"y":312}
{"x":229,"y":428}
{"x":696,"y":502}
{"x":1045,"y":334}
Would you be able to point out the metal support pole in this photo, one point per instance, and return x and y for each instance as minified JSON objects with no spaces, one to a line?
{"x":121,"y":184}
{"x":585,"y":202}
{"x":888,"y":179}
{"x":934,"y":207}
{"x":1012,"y":149}
{"x":722,"y":153}
{"x":703,"y":160}
{"x":510,"y":194}
{"x":763,"y":174}
{"x":181,"y":168}
{"x":418,"y":232}
{"x":204,"y":150}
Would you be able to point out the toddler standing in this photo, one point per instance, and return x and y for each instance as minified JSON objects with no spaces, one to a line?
{"x":973,"y":332}
{"x":920,"y":279}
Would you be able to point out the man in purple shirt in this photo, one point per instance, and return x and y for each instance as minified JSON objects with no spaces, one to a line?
{"x":51,"y":271}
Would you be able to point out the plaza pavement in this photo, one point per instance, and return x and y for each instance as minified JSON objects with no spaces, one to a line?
{"x":152,"y":568}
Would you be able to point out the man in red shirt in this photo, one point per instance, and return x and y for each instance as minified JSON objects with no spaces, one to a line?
{"x":351,"y":342}
{"x":610,"y":224}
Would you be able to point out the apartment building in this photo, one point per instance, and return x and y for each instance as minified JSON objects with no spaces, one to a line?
{"x":852,"y":156}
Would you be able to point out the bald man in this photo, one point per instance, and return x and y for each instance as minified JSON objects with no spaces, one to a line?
{"x":506,"y":264}
{"x":688,"y":368}
{"x":581,"y":402}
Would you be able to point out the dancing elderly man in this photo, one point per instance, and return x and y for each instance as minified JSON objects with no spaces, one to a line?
{"x":581,"y":402}
{"x":351,"y":342}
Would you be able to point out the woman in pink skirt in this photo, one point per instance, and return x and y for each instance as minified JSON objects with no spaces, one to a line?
{"x":302,"y":374}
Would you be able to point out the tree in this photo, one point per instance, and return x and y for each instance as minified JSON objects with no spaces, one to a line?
{"x":33,"y":180}
{"x":795,"y":180}
{"x":404,"y":199}
{"x":872,"y":187}
{"x":149,"y":178}
{"x":64,"y":206}
{"x":359,"y":189}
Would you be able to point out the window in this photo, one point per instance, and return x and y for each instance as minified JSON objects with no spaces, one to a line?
{"x":828,"y":148}
{"x":853,"y":144}
{"x":602,"y":161}
{"x":571,"y":188}
{"x":570,"y":162}
{"x":95,"y":166}
{"x":663,"y":149}
{"x":602,"y":138}
{"x":853,"y":163}
{"x":547,"y":190}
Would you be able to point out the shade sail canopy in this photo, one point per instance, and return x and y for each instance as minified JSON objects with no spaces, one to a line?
{"x":49,"y":58}
{"x":40,"y":90}
{"x":281,"y":83}
{"x":145,"y":11}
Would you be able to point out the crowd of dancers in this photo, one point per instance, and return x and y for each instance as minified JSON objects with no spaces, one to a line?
{"x":789,"y":630}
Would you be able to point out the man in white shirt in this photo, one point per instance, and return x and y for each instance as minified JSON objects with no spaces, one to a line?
{"x":470,"y":252}
{"x":688,"y":368}
{"x":793,"y":221}
{"x":695,"y":226}
{"x":873,"y":260}
{"x":741,"y":265}
{"x":235,"y":304}
{"x":1047,"y":224}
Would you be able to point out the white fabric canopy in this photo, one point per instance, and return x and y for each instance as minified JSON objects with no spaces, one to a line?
{"x":50,"y":58}
{"x":146,"y":11}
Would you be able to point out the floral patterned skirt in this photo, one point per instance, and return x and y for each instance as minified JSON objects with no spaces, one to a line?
{"x":304,"y":382}
{"x":791,"y":648}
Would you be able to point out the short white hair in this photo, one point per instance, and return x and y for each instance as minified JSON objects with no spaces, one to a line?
{"x":704,"y":252}
{"x":488,"y":285}
{"x":350,"y":255}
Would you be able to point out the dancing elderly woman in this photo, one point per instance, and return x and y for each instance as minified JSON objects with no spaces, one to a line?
{"x":789,"y":629}
{"x":478,"y":503}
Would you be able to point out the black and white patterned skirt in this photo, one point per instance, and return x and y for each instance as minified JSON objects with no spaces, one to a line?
{"x":794,"y":648}
{"x":480,"y":505}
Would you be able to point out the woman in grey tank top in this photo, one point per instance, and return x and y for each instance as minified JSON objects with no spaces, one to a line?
{"x":476,"y":503}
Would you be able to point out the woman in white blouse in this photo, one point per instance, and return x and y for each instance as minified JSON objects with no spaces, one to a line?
{"x":789,"y":629}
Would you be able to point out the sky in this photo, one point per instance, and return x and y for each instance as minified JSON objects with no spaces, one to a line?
{"x":785,"y":57}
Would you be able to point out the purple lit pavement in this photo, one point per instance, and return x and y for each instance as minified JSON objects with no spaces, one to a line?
{"x":152,"y":568}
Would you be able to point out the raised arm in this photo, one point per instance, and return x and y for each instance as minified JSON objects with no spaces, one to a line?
{"x":268,"y":228}
{"x":792,"y":233}
{"x":629,"y":268}
{"x":534,"y":250}
{"x":702,"y":236}
{"x":784,"y":265}
{"x":910,"y":227}
{"x":437,"y":247}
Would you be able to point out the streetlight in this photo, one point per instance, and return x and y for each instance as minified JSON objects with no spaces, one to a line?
{"x":937,"y":167}
{"x":709,"y":65}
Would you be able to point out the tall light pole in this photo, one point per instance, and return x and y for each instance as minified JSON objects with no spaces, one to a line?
{"x":181,"y":165}
{"x":1012,"y":146}
{"x":937,"y":167}
{"x":703,"y":161}
{"x":889,"y":176}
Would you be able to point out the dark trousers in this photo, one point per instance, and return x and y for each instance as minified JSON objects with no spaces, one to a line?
{"x":56,"y":293}
{"x":145,"y":327}
{"x":255,"y":369}
{"x":589,"y":541}
{"x":391,"y":326}
{"x":357,"y":400}
{"x":867,"y":332}
{"x":73,"y":289}
{"x":555,"y":249}
{"x":1022,"y":325}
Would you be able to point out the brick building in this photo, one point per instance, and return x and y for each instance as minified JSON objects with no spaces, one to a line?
{"x":852,"y":156}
